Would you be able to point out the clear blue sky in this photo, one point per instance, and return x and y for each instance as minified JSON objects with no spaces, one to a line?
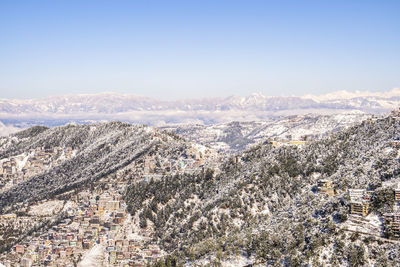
{"x":182,"y":49}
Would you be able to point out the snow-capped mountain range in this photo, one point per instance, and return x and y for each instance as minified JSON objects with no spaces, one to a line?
{"x":140,"y":109}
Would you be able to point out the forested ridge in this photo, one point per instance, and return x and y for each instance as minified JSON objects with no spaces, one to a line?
{"x":266,"y":207}
{"x":100,"y":150}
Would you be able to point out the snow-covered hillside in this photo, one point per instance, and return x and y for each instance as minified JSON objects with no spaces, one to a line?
{"x":266,"y":205}
{"x":100,"y":146}
{"x":195,"y":207}
{"x":237,"y":136}
{"x":6,"y":130}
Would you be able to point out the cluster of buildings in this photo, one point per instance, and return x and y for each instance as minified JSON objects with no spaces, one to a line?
{"x":359,"y":198}
{"x":99,"y":217}
{"x":128,"y":252}
{"x":289,"y":141}
{"x":392,"y":220}
{"x":359,"y":202}
{"x":191,"y":159}
{"x":98,"y":222}
{"x":359,"y":205}
{"x":17,"y":169}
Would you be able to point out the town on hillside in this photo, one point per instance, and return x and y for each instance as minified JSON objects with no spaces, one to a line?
{"x":74,"y":227}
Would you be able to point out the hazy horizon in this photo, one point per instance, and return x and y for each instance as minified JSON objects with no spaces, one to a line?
{"x":341,"y":94}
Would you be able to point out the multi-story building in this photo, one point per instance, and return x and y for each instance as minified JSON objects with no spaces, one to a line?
{"x":359,"y":208}
{"x":392,"y":220}
{"x":397,"y":194}
{"x":356,"y":194}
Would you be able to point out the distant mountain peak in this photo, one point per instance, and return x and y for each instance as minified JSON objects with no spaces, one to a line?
{"x":345,"y":95}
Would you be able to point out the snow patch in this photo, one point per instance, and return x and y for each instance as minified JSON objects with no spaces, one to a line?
{"x":93,"y":258}
{"x":47,"y":208}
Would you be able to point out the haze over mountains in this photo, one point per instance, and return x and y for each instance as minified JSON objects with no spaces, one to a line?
{"x":59,"y":110}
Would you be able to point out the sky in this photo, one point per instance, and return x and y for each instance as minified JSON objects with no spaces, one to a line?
{"x":190,"y":49}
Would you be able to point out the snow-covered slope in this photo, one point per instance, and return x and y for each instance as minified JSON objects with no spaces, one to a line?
{"x":133,"y":108}
{"x":6,"y":130}
{"x":237,"y":136}
{"x":102,"y":149}
{"x":265,"y":206}
{"x":94,"y":257}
